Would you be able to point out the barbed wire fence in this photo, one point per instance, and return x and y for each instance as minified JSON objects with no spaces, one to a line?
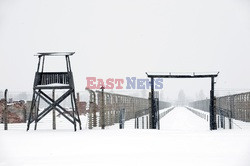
{"x":100,"y":109}
{"x":236,"y":106}
{"x":107,"y":109}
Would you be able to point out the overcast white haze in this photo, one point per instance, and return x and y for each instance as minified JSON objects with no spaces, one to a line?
{"x":115,"y":38}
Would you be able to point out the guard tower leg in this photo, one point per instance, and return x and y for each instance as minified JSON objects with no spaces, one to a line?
{"x":36,"y":112}
{"x":73,"y":110}
{"x":33,"y":102}
{"x":77,"y":111}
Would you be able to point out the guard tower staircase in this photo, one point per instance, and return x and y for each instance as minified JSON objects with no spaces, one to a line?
{"x":45,"y":82}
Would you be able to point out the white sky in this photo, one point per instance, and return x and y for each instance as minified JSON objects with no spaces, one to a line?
{"x":119,"y":38}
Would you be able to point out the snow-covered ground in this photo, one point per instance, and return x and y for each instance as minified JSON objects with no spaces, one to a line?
{"x":184,"y":139}
{"x":181,"y":119}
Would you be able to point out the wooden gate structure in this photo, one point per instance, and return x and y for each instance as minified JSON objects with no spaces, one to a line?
{"x":154,"y":118}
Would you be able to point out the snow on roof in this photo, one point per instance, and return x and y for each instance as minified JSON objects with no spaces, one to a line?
{"x":181,"y":73}
{"x":54,"y":53}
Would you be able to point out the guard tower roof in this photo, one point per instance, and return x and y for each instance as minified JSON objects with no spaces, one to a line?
{"x":54,"y":53}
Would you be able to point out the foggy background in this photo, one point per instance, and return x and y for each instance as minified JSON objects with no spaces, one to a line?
{"x":118,"y":39}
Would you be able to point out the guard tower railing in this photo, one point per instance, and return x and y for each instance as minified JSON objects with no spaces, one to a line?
{"x":59,"y":80}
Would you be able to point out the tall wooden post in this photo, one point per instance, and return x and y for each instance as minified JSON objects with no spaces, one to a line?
{"x":5,"y":112}
{"x":153,"y":107}
{"x":158,"y":112}
{"x":102,"y":110}
{"x":213,"y":125}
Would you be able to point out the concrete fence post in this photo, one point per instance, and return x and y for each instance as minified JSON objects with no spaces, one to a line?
{"x":122,"y":118}
{"x":137,"y":123}
{"x":230,"y":111}
{"x":90,"y":118}
{"x":142,"y":122}
{"x":147,"y":123}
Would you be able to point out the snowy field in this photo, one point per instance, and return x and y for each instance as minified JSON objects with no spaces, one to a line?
{"x":184,"y":140}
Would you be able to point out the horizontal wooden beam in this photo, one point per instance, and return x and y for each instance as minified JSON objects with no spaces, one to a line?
{"x":181,"y":76}
{"x":54,"y":53}
{"x":52,"y":87}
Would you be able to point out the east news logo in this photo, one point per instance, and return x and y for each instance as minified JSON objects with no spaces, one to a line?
{"x":119,"y":83}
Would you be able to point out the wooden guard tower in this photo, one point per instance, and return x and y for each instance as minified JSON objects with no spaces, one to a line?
{"x":45,"y":81}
